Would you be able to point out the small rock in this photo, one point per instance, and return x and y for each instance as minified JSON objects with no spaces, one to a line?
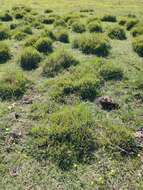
{"x":15,"y":134}
{"x":13,"y":137}
{"x":108,"y":103}
{"x":14,"y":172}
{"x":16,"y":115}
{"x":139,"y":135}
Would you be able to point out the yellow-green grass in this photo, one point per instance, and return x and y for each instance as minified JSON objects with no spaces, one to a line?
{"x":118,"y":7}
{"x":51,"y":110}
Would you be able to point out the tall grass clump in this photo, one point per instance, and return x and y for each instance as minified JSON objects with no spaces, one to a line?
{"x":78,"y":27}
{"x":44,"y":45}
{"x":18,"y":35}
{"x":117,"y":33}
{"x":61,"y":35}
{"x":123,"y":21}
{"x":109,"y":18}
{"x":4,"y":52}
{"x":110,"y":71}
{"x":97,"y":44}
{"x":60,"y":22}
{"x":4,"y":32}
{"x":118,"y":140}
{"x":80,"y":83}
{"x":19,"y":15}
{"x":58,"y":61}
{"x":67,"y":139}
{"x":48,"y":20}
{"x":138,"y":45}
{"x":29,"y":58}
{"x":95,"y":26}
{"x":20,"y":12}
{"x":47,"y":11}
{"x":6,"y":17}
{"x":137,"y":30}
{"x":13,"y":84}
{"x":31,"y":40}
{"x":131,"y":23}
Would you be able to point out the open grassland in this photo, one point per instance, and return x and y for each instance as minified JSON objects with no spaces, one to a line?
{"x":116,"y":7}
{"x":71,"y":95}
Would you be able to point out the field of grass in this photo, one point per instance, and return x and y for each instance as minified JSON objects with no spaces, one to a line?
{"x":71,"y":95}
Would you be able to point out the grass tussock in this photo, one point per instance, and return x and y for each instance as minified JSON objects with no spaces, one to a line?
{"x":13,"y":85}
{"x":60,"y":60}
{"x":117,"y":33}
{"x":4,"y":53}
{"x":70,"y":136}
{"x":4,"y":32}
{"x":97,"y":44}
{"x":138,"y":45}
{"x":29,"y":58}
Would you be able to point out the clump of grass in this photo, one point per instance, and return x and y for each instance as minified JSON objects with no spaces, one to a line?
{"x":48,"y":33}
{"x":13,"y":84}
{"x":118,"y":139}
{"x":95,"y":26}
{"x":117,"y":33}
{"x":138,"y":45}
{"x":71,"y":136}
{"x":97,"y":44}
{"x":131,"y":15}
{"x":86,"y":10}
{"x":19,"y":35}
{"x":137,"y":30}
{"x":85,"y":88}
{"x":47,"y":11}
{"x":110,"y":71}
{"x":109,"y":18}
{"x":80,"y":83}
{"x":20,"y":12}
{"x":71,"y":21}
{"x":21,"y":8}
{"x":68,"y":139}
{"x":4,"y":53}
{"x":26,"y":29}
{"x":19,"y":15}
{"x":36,"y":24}
{"x":13,"y":26}
{"x":60,"y":22}
{"x":61,"y":35}
{"x":123,"y":21}
{"x":44,"y":45}
{"x":78,"y":27}
{"x":56,"y":16}
{"x":57,"y":62}
{"x":71,"y":17}
{"x":6,"y":16}
{"x":92,"y":19}
{"x":4,"y":32}
{"x":31,"y":40}
{"x":49,"y":20}
{"x":131,"y":23}
{"x":29,"y":58}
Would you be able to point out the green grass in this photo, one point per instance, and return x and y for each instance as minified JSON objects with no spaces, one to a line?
{"x":54,"y":133}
